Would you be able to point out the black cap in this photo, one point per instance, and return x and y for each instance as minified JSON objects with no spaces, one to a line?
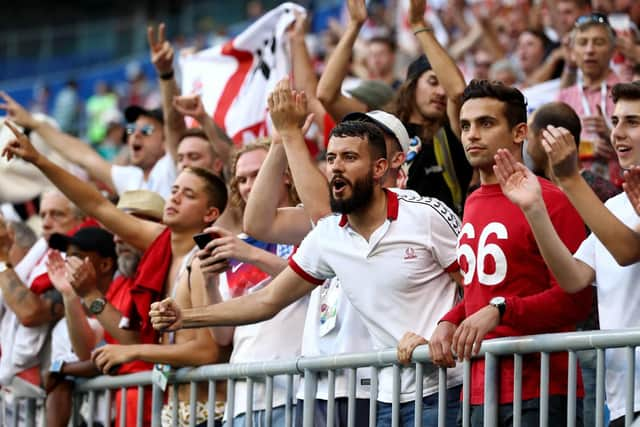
{"x":132,"y":112}
{"x":417,"y":67}
{"x":90,"y":239}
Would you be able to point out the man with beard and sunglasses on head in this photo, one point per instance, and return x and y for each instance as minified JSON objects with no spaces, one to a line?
{"x":393,"y":254}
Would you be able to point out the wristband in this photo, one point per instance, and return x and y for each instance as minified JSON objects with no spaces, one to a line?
{"x":422,"y":30}
{"x":166,"y":76}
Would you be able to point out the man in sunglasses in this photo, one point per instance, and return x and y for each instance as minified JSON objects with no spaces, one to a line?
{"x":593,"y":43}
{"x":151,"y":167}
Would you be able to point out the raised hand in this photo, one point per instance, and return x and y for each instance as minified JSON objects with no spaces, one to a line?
{"x":417,"y":9}
{"x":20,"y":147}
{"x":631,"y":186}
{"x":298,"y":28}
{"x":357,"y":11}
{"x":165,"y":315}
{"x":562,"y":151}
{"x":190,"y":105}
{"x":407,"y":344}
{"x":161,"y":50}
{"x":16,"y":112}
{"x":518,"y":183}
{"x":57,"y":273}
{"x":81,"y":275}
{"x":288,"y":108}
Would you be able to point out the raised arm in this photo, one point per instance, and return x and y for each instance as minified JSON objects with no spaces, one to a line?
{"x":444,"y":66}
{"x":83,"y":337}
{"x":304,"y":76}
{"x":162,"y":58}
{"x":521,"y":186}
{"x":136,"y":232}
{"x":288,"y":110}
{"x":621,"y":241}
{"x":329,"y":87}
{"x":263,"y":219}
{"x":31,"y":309}
{"x":70,"y":147}
{"x":192,"y":106}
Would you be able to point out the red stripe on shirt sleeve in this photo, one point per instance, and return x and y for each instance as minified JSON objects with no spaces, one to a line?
{"x":454,"y":267}
{"x":300,"y":272}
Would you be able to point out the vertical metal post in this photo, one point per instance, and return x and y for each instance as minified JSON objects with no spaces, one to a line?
{"x":248,"y":419}
{"x":466,"y":393}
{"x":140,"y":409}
{"x":331,"y":397}
{"x":231,"y":400}
{"x":442,"y":397}
{"x":491,"y":373}
{"x":30,"y":412}
{"x":211,"y":403}
{"x":288,"y":406}
{"x":517,"y":390}
{"x":16,"y":412}
{"x":310,"y":385}
{"x":268,"y":404}
{"x":107,"y":414}
{"x":395,"y":398}
{"x":92,"y":406}
{"x":123,"y":405}
{"x":351,"y":400}
{"x":175,"y":404}
{"x":193,"y":403}
{"x":544,"y":389}
{"x":373,"y":397}
{"x":600,"y":387}
{"x":75,"y":409}
{"x":631,"y":380}
{"x":417,"y":414}
{"x":157,"y":398}
{"x":572,"y":384}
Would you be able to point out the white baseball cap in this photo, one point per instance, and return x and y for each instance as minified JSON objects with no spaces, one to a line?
{"x":387,"y":123}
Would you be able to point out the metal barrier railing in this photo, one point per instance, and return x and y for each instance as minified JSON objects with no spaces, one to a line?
{"x":311,"y":367}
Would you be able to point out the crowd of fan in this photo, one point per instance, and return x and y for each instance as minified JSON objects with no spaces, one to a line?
{"x":435,"y":210}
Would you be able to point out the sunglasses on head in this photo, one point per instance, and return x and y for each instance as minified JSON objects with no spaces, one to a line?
{"x":592,"y":18}
{"x":146,"y":130}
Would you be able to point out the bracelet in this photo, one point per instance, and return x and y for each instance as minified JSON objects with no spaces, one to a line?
{"x":422,"y":30}
{"x":166,"y":76}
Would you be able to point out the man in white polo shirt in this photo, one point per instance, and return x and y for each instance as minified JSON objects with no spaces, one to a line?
{"x":393,"y":255}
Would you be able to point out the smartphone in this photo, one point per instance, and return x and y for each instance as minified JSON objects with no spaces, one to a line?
{"x":202,"y":239}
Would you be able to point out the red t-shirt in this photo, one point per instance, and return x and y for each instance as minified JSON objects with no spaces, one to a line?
{"x":498,"y":256}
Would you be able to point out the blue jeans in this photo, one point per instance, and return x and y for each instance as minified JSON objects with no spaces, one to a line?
{"x":259,"y":420}
{"x":429,"y":411}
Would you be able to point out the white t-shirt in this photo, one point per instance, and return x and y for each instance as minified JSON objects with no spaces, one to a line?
{"x":278,"y":338}
{"x":397,"y":280}
{"x":618,"y":299}
{"x":160,"y":179}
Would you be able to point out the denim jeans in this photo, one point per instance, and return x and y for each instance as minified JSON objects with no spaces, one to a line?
{"x":340,"y":418}
{"x":259,"y":419}
{"x":429,"y":410}
{"x":530,"y":414}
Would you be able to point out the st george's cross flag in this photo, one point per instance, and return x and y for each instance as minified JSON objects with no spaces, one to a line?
{"x":234,"y":79}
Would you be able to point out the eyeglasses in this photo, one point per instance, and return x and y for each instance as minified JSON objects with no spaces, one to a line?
{"x":146,"y":130}
{"x":592,"y":18}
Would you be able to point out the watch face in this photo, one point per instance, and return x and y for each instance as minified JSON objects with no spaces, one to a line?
{"x":97,"y":305}
{"x":497,"y":300}
{"x":56,"y":365}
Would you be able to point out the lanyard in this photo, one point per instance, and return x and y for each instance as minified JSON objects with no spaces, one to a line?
{"x":586,"y":108}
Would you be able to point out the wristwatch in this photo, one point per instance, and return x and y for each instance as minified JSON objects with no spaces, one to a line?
{"x":97,"y":305}
{"x":56,"y":366}
{"x":4,"y":266}
{"x":500,"y":303}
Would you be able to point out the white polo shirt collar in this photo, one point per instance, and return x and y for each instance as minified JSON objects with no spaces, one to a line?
{"x":392,"y":208}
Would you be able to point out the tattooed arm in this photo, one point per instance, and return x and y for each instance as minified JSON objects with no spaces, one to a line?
{"x":30,"y":308}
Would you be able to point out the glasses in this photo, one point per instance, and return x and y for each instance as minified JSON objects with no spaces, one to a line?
{"x":146,"y":130}
{"x":592,"y":18}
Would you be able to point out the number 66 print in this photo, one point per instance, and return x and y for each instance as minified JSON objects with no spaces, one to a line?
{"x":476,"y":262}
